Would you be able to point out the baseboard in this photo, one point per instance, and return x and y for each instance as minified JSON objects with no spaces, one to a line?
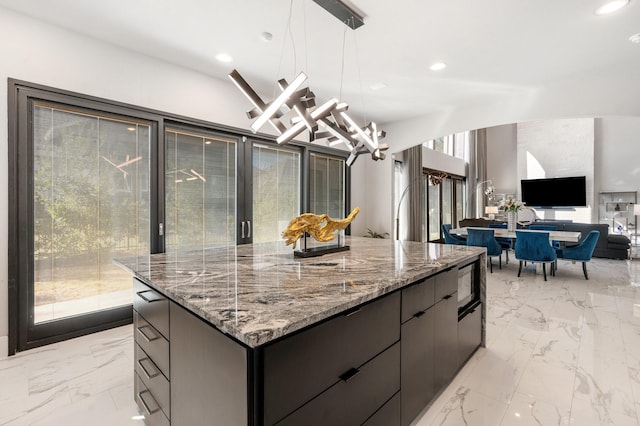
{"x":4,"y":346}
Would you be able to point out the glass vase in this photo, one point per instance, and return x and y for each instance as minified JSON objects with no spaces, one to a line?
{"x":511,"y":221}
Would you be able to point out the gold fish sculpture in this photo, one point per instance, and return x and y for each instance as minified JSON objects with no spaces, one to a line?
{"x":321,"y":227}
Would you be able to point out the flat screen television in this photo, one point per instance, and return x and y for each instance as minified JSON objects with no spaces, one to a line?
{"x":555,"y":192}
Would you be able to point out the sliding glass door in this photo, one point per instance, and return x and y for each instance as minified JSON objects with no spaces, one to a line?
{"x":91,"y":204}
{"x":200,"y":189}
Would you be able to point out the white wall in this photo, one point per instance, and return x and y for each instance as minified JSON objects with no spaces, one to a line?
{"x":559,"y":148}
{"x":617,"y":154}
{"x":501,"y":158}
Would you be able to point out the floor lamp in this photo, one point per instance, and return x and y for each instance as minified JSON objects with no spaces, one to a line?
{"x":404,"y":193}
{"x":488,"y":191}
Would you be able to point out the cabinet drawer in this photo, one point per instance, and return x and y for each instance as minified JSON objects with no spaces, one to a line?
{"x":469,"y":333}
{"x":388,"y":415}
{"x":298,"y":368}
{"x":152,"y":342}
{"x":153,"y":306}
{"x":153,"y":379}
{"x":417,"y":298}
{"x":153,"y":415}
{"x":446,"y":283}
{"x":353,"y":401}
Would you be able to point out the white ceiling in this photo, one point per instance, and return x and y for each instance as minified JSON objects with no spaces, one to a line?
{"x":493,"y":48}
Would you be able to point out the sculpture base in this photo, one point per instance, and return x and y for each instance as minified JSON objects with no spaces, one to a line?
{"x":319,"y":251}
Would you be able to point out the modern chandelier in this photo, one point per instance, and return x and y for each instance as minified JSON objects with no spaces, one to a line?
{"x":327,"y":121}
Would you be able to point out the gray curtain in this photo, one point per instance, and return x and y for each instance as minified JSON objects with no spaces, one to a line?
{"x":415,"y":194}
{"x":477,"y":172}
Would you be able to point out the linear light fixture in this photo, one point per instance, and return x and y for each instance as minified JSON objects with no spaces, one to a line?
{"x":332,"y":115}
{"x":342,"y":12}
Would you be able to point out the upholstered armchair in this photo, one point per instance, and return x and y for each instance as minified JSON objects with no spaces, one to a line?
{"x":535,"y":247}
{"x":582,"y":252}
{"x":485,"y":238}
{"x":449,"y":238}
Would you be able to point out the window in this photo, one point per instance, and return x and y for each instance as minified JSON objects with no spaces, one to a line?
{"x":90,"y":204}
{"x":200,"y":190}
{"x":454,"y":144}
{"x":327,"y":185}
{"x":276,"y":191}
{"x":444,"y":204}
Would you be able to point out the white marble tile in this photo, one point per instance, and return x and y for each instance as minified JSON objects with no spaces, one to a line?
{"x":549,"y":381}
{"x":604,"y":382}
{"x":584,"y":413}
{"x":527,"y":410}
{"x":466,"y":407}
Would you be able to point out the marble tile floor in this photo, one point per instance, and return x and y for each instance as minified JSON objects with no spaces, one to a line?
{"x":561,"y":352}
{"x":79,"y":382}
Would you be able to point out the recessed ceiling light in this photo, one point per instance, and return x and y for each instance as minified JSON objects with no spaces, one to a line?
{"x":635,"y":38}
{"x":438,"y":66}
{"x":378,"y":86}
{"x":223,"y":57}
{"x":611,"y":6}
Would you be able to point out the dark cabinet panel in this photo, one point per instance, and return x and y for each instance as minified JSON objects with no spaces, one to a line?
{"x":446,"y":339}
{"x":417,"y":374}
{"x":417,"y":298}
{"x":387,"y":415}
{"x":298,"y":368}
{"x":208,"y":374}
{"x":153,"y":307}
{"x":354,"y":400}
{"x":469,"y":333}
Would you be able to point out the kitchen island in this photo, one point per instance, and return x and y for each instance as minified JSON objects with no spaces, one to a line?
{"x":249,"y":335}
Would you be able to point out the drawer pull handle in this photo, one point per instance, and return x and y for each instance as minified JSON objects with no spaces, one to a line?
{"x":418,"y":314}
{"x":353,"y":313}
{"x":349,"y":374}
{"x":145,"y":404}
{"x":147,"y":337}
{"x":155,"y":297}
{"x":447,"y":297}
{"x":145,"y":370}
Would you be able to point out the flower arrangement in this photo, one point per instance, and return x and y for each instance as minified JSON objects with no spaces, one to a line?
{"x":510,"y":205}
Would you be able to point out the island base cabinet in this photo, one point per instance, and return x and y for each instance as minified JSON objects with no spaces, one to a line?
{"x":417,"y":380}
{"x":208,"y":374}
{"x":354,"y":400}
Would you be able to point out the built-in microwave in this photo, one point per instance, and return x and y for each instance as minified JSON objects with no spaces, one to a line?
{"x":468,"y":286}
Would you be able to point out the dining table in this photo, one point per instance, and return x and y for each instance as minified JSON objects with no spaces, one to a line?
{"x":565,"y":236}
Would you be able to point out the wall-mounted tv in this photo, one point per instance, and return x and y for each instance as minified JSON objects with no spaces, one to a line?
{"x":555,"y":192}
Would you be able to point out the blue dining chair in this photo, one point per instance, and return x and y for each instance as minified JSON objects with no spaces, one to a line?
{"x":450,"y":238}
{"x":505,"y":243}
{"x":535,"y":247}
{"x":582,"y":252}
{"x":485,"y":238}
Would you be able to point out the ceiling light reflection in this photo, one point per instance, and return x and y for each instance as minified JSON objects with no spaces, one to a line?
{"x":611,"y":6}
